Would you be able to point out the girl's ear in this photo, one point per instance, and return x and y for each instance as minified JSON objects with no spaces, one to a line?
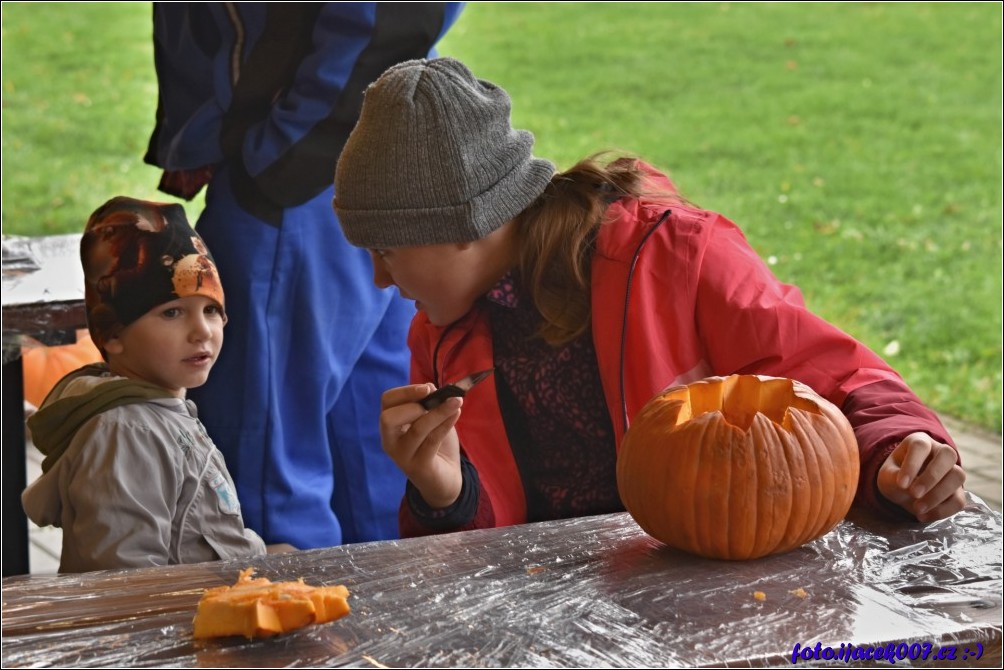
{"x":113,"y":345}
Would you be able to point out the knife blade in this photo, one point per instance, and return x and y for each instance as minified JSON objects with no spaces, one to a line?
{"x":455,"y":390}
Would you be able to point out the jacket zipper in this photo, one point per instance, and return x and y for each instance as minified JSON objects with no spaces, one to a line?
{"x":627,"y":303}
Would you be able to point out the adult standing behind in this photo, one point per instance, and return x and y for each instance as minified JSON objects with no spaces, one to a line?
{"x":257,"y":100}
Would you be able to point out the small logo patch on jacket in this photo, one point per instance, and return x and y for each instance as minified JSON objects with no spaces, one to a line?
{"x":226,"y":495}
{"x":185,"y":441}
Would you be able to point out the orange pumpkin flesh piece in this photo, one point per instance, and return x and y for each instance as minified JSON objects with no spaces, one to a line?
{"x":738,"y":467}
{"x":260,"y":608}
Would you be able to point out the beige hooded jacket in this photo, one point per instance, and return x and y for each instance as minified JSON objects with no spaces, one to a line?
{"x":133,"y":481}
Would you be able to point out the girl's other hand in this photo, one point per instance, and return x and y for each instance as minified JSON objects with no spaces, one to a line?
{"x":922,"y":476}
{"x":424,"y":444}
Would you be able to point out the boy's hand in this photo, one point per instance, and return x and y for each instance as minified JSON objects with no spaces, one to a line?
{"x":922,"y":477}
{"x":423,"y":443}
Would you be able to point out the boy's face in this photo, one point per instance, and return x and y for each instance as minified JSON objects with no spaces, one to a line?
{"x":174,"y":345}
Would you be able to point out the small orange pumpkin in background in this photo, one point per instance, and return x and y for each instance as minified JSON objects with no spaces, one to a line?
{"x":44,"y":366}
{"x":738,"y":467}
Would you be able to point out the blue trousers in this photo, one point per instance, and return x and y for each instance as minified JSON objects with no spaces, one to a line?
{"x":294,"y":400}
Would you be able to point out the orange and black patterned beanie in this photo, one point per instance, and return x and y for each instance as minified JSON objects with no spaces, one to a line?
{"x":137,"y":255}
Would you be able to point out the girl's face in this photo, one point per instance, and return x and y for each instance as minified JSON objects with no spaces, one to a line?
{"x":444,"y":280}
{"x":174,"y":345}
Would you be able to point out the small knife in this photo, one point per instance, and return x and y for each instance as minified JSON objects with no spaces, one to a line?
{"x":455,"y":390}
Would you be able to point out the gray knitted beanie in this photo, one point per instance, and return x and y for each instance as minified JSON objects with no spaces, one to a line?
{"x":434,"y":159}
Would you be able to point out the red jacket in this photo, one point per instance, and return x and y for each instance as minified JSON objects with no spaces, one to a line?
{"x":678,"y":295}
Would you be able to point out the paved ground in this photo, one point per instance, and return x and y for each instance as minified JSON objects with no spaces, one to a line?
{"x":981,"y":456}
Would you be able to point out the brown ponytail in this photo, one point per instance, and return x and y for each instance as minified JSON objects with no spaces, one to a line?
{"x":557,"y":236}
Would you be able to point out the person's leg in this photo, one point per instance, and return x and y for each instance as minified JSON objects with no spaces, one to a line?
{"x":235,"y":402}
{"x":368,"y":486}
{"x":266,"y":399}
{"x":303,"y":309}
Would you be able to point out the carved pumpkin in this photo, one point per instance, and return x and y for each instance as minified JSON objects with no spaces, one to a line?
{"x":738,"y":467}
{"x":44,"y":366}
{"x":261,"y":608}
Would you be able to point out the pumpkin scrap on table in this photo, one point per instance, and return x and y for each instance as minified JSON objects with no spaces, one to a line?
{"x":260,"y":608}
{"x":738,"y":467}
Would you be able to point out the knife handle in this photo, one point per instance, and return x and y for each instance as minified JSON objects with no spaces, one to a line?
{"x":439,"y":396}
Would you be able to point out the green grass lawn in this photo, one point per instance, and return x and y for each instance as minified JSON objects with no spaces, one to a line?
{"x":858,"y":145}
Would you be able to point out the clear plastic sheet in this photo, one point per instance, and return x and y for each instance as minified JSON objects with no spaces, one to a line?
{"x":590,"y":592}
{"x":43,"y":290}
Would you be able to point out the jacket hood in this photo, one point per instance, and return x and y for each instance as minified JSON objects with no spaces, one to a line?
{"x":77,"y":398}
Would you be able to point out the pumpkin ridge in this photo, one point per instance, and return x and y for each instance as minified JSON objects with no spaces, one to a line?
{"x":755,"y":501}
{"x":668,"y":476}
{"x":781,"y":487}
{"x":794,"y":465}
{"x":744,"y":506}
{"x":832,"y":516}
{"x":795,"y":480}
{"x":833,"y":512}
{"x":699,"y":523}
{"x":828,"y":456}
{"x":766,"y":480}
{"x":722,"y":453}
{"x":820,"y":468}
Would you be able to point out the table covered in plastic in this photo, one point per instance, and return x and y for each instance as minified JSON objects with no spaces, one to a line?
{"x":587,"y":592}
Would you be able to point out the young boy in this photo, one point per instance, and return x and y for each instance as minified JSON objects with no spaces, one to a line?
{"x":130,"y":474}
